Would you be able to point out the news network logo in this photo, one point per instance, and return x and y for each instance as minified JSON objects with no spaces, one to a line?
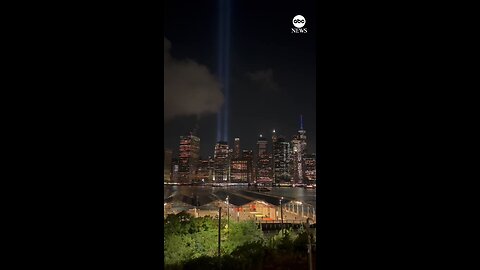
{"x":299,"y":21}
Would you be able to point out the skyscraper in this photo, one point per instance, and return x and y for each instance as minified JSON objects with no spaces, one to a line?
{"x":262,"y":146}
{"x":221,"y":163}
{"x":263,"y":164}
{"x":188,"y":158}
{"x":239,"y":171}
{"x":311,"y":168}
{"x":236,"y":149}
{"x":205,"y":170}
{"x":167,"y":166}
{"x":299,"y":147}
{"x":247,"y":155}
{"x":281,"y":161}
{"x":272,"y":160}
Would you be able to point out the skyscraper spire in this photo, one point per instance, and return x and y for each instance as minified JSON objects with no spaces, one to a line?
{"x":301,"y":122}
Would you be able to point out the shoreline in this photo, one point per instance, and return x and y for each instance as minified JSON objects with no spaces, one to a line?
{"x":239,"y":185}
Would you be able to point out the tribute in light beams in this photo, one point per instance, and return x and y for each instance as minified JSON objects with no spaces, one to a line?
{"x":224,"y":14}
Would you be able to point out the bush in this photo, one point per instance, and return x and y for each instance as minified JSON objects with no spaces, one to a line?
{"x":192,"y":243}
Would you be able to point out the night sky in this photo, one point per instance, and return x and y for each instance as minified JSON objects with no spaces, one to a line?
{"x":272,"y":72}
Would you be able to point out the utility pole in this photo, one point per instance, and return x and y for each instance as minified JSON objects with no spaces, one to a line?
{"x":309,"y":246}
{"x":281,"y":213}
{"x":219,"y":234}
{"x":228,"y":215}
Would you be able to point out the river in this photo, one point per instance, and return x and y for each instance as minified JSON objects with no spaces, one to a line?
{"x":297,"y":193}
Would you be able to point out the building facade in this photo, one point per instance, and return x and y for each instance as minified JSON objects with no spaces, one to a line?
{"x":281,"y":161}
{"x":236,"y":149}
{"x":298,"y":150}
{"x":310,"y":168}
{"x":167,"y":166}
{"x":247,"y":155}
{"x":205,"y":171}
{"x":263,"y":162}
{"x":189,"y":154}
{"x":221,"y":163}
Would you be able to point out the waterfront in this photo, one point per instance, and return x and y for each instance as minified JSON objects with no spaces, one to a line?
{"x":292,"y":193}
{"x":298,"y":204}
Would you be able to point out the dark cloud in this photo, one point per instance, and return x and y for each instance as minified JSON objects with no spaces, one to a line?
{"x":189,"y":88}
{"x":265,"y":79}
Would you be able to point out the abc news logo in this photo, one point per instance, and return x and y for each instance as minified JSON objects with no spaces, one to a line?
{"x":299,"y":21}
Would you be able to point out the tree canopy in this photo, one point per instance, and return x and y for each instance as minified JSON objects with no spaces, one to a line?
{"x":192,"y":243}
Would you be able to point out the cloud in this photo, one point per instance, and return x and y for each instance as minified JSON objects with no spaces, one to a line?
{"x":189,"y":88}
{"x":264,"y":78}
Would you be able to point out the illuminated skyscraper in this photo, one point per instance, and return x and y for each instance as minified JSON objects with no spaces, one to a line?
{"x":239,"y":165}
{"x":239,"y":171}
{"x":310,"y":168}
{"x":236,"y":149}
{"x":281,"y":161}
{"x":188,"y":158}
{"x":221,"y":163}
{"x":263,"y":164}
{"x":167,"y":166}
{"x":272,"y":158}
{"x":299,"y":147}
{"x":262,"y":146}
{"x":205,"y":171}
{"x":247,"y":155}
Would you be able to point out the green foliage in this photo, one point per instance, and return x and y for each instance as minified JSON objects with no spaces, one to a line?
{"x":241,"y":233}
{"x":192,"y":243}
{"x":250,"y":255}
{"x":190,"y":238}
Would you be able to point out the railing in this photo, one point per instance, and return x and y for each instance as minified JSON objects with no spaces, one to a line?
{"x":280,"y":222}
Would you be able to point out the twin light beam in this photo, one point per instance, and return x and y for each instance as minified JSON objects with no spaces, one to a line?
{"x":224,"y":14}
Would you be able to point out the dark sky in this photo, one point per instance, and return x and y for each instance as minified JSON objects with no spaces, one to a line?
{"x":272,"y":70}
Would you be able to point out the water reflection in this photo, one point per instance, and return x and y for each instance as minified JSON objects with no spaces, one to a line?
{"x":297,"y":193}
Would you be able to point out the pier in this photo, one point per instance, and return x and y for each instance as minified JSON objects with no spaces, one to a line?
{"x":241,"y":205}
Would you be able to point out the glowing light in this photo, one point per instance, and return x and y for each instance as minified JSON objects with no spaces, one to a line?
{"x":224,"y":13}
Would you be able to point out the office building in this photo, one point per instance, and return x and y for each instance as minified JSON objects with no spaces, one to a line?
{"x":221,"y":163}
{"x":310,"y":162}
{"x":263,"y":162}
{"x":236,"y":149}
{"x":281,"y":161}
{"x":205,"y":171}
{"x":299,"y":147}
{"x":247,"y":155}
{"x":167,"y":166}
{"x":189,"y":154}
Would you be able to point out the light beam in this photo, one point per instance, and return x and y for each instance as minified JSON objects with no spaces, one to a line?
{"x":224,"y":66}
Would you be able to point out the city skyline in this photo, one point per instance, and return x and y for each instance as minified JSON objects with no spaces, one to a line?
{"x":252,"y":81}
{"x":210,"y":149}
{"x":275,"y":160}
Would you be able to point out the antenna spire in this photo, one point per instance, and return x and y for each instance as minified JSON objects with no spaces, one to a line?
{"x":301,"y":122}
